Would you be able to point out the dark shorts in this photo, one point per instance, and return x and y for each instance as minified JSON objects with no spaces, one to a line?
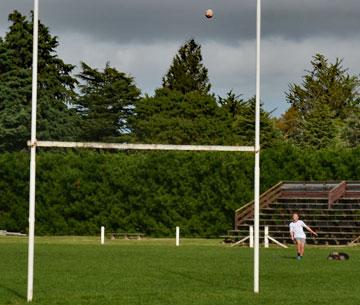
{"x":300,"y":240}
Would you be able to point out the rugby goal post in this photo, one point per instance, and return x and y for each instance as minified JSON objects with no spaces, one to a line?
{"x":33,"y":143}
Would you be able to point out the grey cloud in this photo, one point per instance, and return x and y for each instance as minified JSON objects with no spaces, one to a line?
{"x":141,"y":37}
{"x":153,"y":20}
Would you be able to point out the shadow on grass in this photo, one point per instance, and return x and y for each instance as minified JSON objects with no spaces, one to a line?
{"x":188,"y":276}
{"x":14,"y":292}
{"x":288,"y":257}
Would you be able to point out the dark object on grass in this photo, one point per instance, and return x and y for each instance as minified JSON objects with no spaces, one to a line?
{"x":228,"y":239}
{"x":338,"y":256}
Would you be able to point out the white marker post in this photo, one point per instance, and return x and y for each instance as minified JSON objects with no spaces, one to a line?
{"x":177,"y":236}
{"x":30,"y":284}
{"x":251,"y":236}
{"x":266,"y":237}
{"x":102,"y":235}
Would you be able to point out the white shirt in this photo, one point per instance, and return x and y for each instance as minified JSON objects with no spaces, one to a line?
{"x":297,"y":228}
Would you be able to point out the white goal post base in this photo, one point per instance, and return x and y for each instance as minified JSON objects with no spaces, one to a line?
{"x":241,"y":241}
{"x":250,"y":237}
{"x":267,"y":238}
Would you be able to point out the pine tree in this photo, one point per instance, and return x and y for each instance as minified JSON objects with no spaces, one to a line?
{"x":182,"y":111}
{"x":242,"y":116}
{"x":351,"y":131}
{"x":174,"y":118}
{"x":187,"y":72}
{"x":107,"y":101}
{"x":318,"y":130}
{"x":232,"y":103}
{"x":322,"y":103}
{"x":328,"y":84}
{"x":56,"y":119}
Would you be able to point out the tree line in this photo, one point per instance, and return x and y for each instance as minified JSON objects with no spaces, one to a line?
{"x":317,"y":138}
{"x":152,"y":192}
{"x":106,"y":104}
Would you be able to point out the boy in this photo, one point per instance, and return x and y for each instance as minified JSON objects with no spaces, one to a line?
{"x":298,"y":235}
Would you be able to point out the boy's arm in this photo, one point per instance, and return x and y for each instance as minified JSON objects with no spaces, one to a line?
{"x":291,"y":234}
{"x":310,"y":230}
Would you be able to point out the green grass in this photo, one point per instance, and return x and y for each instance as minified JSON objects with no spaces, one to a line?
{"x":72,"y":271}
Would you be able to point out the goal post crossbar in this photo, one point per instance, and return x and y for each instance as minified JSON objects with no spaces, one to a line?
{"x":125,"y":146}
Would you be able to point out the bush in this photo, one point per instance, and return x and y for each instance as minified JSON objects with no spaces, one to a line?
{"x":152,"y":192}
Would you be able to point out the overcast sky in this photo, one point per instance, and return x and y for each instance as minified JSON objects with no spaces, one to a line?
{"x":140,"y":37}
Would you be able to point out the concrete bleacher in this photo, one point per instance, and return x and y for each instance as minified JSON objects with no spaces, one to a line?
{"x":332,"y":209}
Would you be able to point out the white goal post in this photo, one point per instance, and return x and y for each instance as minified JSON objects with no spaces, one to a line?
{"x":34,"y":143}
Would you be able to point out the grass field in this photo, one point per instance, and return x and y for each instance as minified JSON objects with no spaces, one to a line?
{"x":78,"y":270}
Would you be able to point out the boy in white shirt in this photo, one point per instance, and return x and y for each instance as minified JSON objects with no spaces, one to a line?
{"x":298,"y":235}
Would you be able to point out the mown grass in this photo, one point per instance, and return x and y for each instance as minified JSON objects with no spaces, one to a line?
{"x":72,"y":271}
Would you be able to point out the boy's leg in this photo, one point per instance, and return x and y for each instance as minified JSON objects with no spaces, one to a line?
{"x":302,"y":248}
{"x":298,"y":247}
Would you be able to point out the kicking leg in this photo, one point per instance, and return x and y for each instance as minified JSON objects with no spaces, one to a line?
{"x":298,"y":248}
{"x":302,"y":248}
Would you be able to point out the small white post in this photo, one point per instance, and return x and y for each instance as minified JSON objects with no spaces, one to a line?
{"x":266,"y":237}
{"x":177,"y":236}
{"x":102,"y":235}
{"x":251,"y":235}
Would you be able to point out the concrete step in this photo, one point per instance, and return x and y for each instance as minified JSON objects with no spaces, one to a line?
{"x":298,"y":205}
{"x":341,"y":204}
{"x":302,"y":199}
{"x":309,"y":211}
{"x":310,"y":241}
{"x":311,"y":217}
{"x":334,"y":222}
{"x":285,"y":234}
{"x":353,"y":187}
{"x":338,"y":225}
{"x":285,"y":228}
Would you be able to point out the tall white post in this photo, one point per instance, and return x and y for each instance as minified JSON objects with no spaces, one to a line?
{"x":102,"y":235}
{"x":30,"y":285}
{"x":257,"y":150}
{"x":266,"y":237}
{"x":177,"y":236}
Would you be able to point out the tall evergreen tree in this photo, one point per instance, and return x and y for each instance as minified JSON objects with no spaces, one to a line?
{"x":351,"y":130}
{"x":187,"y":72}
{"x":326,"y":84}
{"x":174,"y":118}
{"x":319,"y":128}
{"x":242,"y":116}
{"x":321,"y":104}
{"x":182,"y":111}
{"x":56,"y":119}
{"x":232,"y":103}
{"x":107,"y":101}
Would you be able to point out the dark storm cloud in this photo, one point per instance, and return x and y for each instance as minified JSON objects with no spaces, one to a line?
{"x":124,"y":21}
{"x":140,"y":37}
